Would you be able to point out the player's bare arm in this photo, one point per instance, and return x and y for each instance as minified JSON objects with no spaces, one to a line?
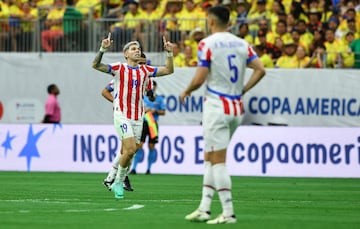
{"x":107,"y":95}
{"x":198,"y":80}
{"x":105,"y":44}
{"x":169,"y":64}
{"x":258,"y":73}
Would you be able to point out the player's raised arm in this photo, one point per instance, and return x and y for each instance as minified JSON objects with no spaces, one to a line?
{"x":96,"y":64}
{"x":169,"y":64}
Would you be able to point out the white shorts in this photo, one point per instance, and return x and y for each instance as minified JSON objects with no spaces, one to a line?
{"x":127,"y":128}
{"x":218,"y":127}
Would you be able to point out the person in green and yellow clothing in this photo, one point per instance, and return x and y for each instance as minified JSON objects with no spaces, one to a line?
{"x":73,"y":28}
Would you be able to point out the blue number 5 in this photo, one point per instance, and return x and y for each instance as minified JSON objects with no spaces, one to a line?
{"x":233,"y":67}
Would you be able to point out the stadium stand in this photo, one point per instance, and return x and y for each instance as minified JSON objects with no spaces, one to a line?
{"x":43,"y":26}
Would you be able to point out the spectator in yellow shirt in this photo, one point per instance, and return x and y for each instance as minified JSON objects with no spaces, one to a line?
{"x":170,"y":19}
{"x":257,"y":12}
{"x":349,"y":57}
{"x":277,"y":7}
{"x":264,"y":26}
{"x":281,"y":32}
{"x":4,"y":25}
{"x":128,"y":27}
{"x":15,"y":15}
{"x":149,"y":25}
{"x":54,"y":25}
{"x":179,"y":57}
{"x":295,"y":35}
{"x":264,"y":57}
{"x":190,"y":60}
{"x":89,"y":6}
{"x":302,"y":60}
{"x":333,"y":46}
{"x":189,"y":18}
{"x":194,"y":38}
{"x":28,"y":27}
{"x":288,"y":59}
{"x":306,"y":37}
{"x":343,"y":26}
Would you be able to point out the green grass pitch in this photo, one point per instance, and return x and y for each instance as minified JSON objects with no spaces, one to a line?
{"x":78,"y":200}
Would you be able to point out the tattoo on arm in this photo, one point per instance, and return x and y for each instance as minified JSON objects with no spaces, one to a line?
{"x":98,"y":65}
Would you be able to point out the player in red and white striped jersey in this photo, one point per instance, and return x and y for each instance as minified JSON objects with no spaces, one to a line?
{"x":130,"y":82}
{"x":107,"y":93}
{"x":223,"y":58}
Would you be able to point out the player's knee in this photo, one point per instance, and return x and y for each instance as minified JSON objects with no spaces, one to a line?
{"x":130,"y":151}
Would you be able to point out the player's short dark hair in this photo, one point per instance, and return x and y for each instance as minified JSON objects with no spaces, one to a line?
{"x":222,"y":13}
{"x":70,"y":2}
{"x":51,"y":88}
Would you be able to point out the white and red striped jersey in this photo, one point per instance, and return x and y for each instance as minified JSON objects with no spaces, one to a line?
{"x":129,"y":87}
{"x":226,"y":56}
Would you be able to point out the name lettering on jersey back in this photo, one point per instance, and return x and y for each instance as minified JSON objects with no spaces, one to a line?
{"x":230,"y":44}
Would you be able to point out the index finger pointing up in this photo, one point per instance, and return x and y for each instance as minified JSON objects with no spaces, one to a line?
{"x":109,"y":36}
{"x":164,"y":39}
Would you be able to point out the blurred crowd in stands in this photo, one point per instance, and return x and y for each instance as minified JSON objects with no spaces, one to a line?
{"x":285,"y":33}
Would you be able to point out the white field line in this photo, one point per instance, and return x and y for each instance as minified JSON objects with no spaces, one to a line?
{"x":131,"y":207}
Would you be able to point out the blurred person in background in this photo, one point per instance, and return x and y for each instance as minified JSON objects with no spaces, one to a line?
{"x":150,"y":24}
{"x":265,"y":58}
{"x":333,"y":48}
{"x":348,"y":57}
{"x":278,"y":49}
{"x":280,"y":31}
{"x":127,"y":28}
{"x":318,"y":58}
{"x":27,"y":24}
{"x":314,"y":20}
{"x":189,"y":18}
{"x":179,"y":57}
{"x":73,"y":28}
{"x":297,"y":11}
{"x":354,"y":48}
{"x":319,"y":38}
{"x":52,"y":106}
{"x":265,"y":31}
{"x":169,"y":20}
{"x":190,"y":59}
{"x":257,"y":11}
{"x":54,"y":27}
{"x":15,"y":16}
{"x":295,"y":35}
{"x":288,"y":59}
{"x":302,"y":59}
{"x":276,"y":9}
{"x":306,"y":37}
{"x":89,"y":8}
{"x":4,"y":24}
{"x":244,"y":33}
{"x":242,"y":11}
{"x":195,"y":37}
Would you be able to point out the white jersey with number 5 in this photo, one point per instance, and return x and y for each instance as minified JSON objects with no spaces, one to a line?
{"x":226,"y":56}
